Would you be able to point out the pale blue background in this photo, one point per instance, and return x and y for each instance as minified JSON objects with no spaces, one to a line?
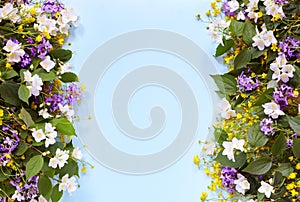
{"x":101,"y":20}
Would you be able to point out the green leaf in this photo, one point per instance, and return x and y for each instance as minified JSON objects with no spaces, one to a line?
{"x":56,"y":194}
{"x":4,"y":173}
{"x":259,"y":167}
{"x":278,"y":178}
{"x":285,"y":169}
{"x":45,"y":187}
{"x":36,"y":62}
{"x":226,"y":83}
{"x":21,"y":149}
{"x":278,"y":145}
{"x":248,"y":33}
{"x":9,"y":74}
{"x":48,"y":171}
{"x":264,"y":97}
{"x":9,"y":92}
{"x":34,"y":165}
{"x":69,"y":77}
{"x":255,"y":137}
{"x":61,"y":54}
{"x":47,"y":76}
{"x":242,"y":59}
{"x":220,"y":135}
{"x":240,"y":160}
{"x":223,"y":49}
{"x":23,"y":93}
{"x":26,"y":117}
{"x":256,"y":53}
{"x":294,"y":123}
{"x":63,"y":126}
{"x":70,"y":168}
{"x":236,"y":27}
{"x":296,"y":148}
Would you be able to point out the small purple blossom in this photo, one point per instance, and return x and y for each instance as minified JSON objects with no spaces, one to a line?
{"x":281,"y":2}
{"x":29,"y":190}
{"x":228,"y":175}
{"x":289,"y":142}
{"x":10,"y":142}
{"x":52,"y":6}
{"x":266,"y":126}
{"x":282,"y":94}
{"x":247,"y":84}
{"x":30,"y":40}
{"x":226,"y":9}
{"x":290,"y":47}
{"x":43,"y":48}
{"x":25,"y":60}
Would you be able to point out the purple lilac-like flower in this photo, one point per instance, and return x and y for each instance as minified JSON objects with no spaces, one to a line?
{"x":228,"y":175}
{"x":290,"y":47}
{"x":72,"y":94}
{"x":54,"y":100}
{"x":52,"y":6}
{"x":2,"y":199}
{"x":295,"y":135}
{"x":25,"y":60}
{"x":226,"y":9}
{"x":266,"y":126}
{"x":10,"y":142}
{"x":289,"y":142}
{"x":247,"y":84}
{"x":282,"y":94}
{"x":28,"y":190}
{"x":281,"y":2}
{"x":4,"y":159}
{"x":30,"y":40}
{"x":43,"y":48}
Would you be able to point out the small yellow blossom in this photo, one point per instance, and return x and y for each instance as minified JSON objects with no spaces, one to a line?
{"x":208,"y":13}
{"x":83,"y":170}
{"x":8,"y":66}
{"x":39,"y":38}
{"x":259,"y":14}
{"x":292,"y":176}
{"x":298,"y":166}
{"x":203,"y":196}
{"x":294,"y":192}
{"x":196,"y":160}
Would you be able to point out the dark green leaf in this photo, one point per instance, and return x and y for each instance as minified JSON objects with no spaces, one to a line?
{"x":70,"y":168}
{"x":294,"y":123}
{"x":23,"y":93}
{"x":63,"y":126}
{"x":34,"y":165}
{"x":21,"y":149}
{"x":259,"y":166}
{"x":9,"y":92}
{"x":220,"y":135}
{"x":223,"y":49}
{"x":26,"y":117}
{"x":236,"y":27}
{"x":226,"y":83}
{"x":278,"y":178}
{"x":285,"y":169}
{"x":242,"y":59}
{"x":55,"y":146}
{"x":264,"y":97}
{"x":248,"y":32}
{"x":45,"y":187}
{"x":296,"y":148}
{"x":56,"y":194}
{"x":278,"y":145}
{"x":4,"y":173}
{"x":256,"y":53}
{"x":255,"y":137}
{"x":9,"y":74}
{"x":47,"y":76}
{"x":61,"y":54}
{"x":35,"y":62}
{"x":240,"y":160}
{"x":69,"y":77}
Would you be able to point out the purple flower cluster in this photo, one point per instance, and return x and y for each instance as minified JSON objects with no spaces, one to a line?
{"x":282,"y":94}
{"x":29,"y":190}
{"x":289,"y":142}
{"x":281,"y":2}
{"x":290,"y":47}
{"x":52,"y":6}
{"x":226,"y":9}
{"x":8,"y":144}
{"x":247,"y":84}
{"x":25,"y":60}
{"x":69,"y":95}
{"x":228,"y":175}
{"x":266,"y":126}
{"x":41,"y":50}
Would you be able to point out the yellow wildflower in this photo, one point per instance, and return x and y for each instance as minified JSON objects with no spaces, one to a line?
{"x":294,"y":192}
{"x":203,"y":196}
{"x":196,"y":160}
{"x":298,"y":166}
{"x":292,"y":176}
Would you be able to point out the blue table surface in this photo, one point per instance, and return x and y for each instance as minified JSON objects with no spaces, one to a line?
{"x":100,"y":21}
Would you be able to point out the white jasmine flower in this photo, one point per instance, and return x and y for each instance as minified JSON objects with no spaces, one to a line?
{"x":15,"y":51}
{"x":238,"y":144}
{"x":38,"y":135}
{"x":224,"y":108}
{"x":44,"y":113}
{"x":50,"y":134}
{"x":234,"y":5}
{"x":40,"y":199}
{"x":35,"y":85}
{"x":60,"y":159}
{"x":240,"y":16}
{"x":272,"y":109}
{"x":68,"y":15}
{"x":67,"y":183}
{"x":65,"y":68}
{"x":266,"y":189}
{"x":77,"y":154}
{"x":209,"y":148}
{"x":27,"y":76}
{"x":228,"y":150}
{"x":65,"y":110}
{"x":242,"y":184}
{"x":47,"y":63}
